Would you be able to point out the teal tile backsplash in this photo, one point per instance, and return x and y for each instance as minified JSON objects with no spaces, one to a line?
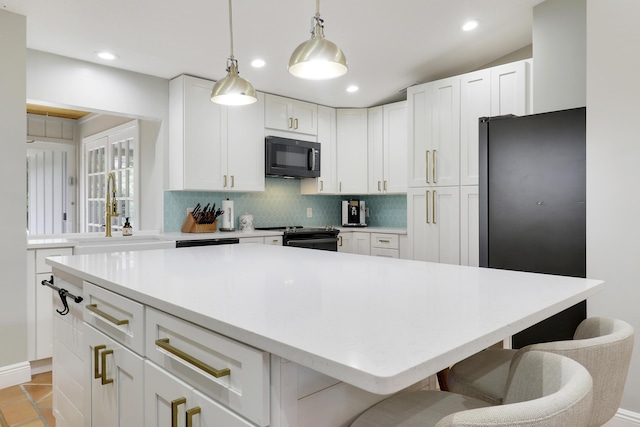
{"x":282,"y":204}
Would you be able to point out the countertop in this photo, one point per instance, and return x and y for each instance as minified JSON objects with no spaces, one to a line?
{"x":377,"y":323}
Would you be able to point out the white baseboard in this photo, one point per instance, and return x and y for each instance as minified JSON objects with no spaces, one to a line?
{"x":40,"y":366}
{"x":624,"y":418}
{"x":15,"y":374}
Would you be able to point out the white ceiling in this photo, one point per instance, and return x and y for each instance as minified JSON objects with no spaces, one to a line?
{"x":389,"y":45}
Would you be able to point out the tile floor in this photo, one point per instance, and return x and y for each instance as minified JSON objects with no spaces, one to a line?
{"x":29,"y":404}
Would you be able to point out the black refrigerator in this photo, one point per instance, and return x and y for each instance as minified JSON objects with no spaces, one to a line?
{"x":533,"y":204}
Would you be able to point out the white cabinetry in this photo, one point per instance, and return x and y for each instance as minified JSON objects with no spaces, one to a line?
{"x":345,"y":242}
{"x":291,"y":115}
{"x":214,"y":147}
{"x":50,"y":129}
{"x":39,"y":308}
{"x":352,"y":151}
{"x":443,"y":164}
{"x":387,"y":148}
{"x":327,"y":183}
{"x":354,"y":242}
{"x":385,"y":245}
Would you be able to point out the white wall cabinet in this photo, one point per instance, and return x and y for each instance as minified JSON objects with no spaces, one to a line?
{"x":352,"y":144}
{"x":291,"y":115}
{"x":214,"y":147}
{"x":327,"y":183}
{"x":443,"y":146}
{"x":387,"y":148}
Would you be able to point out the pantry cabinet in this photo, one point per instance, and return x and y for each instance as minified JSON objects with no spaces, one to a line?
{"x":213,"y":147}
{"x":352,"y":143}
{"x":387,"y":148}
{"x":291,"y":115}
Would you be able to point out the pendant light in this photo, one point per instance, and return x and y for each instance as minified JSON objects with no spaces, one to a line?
{"x":318,"y":58}
{"x":233,"y":89}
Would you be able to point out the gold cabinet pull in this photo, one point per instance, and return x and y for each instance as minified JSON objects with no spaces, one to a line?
{"x":426,"y":198}
{"x":384,"y":240}
{"x":290,"y":122}
{"x":105,"y":380}
{"x":163,"y":343}
{"x":224,"y":183}
{"x":433,"y":168}
{"x":385,"y":185}
{"x":94,"y":308}
{"x":379,"y":186}
{"x":190,"y":413}
{"x":296,"y":123}
{"x":341,"y":186}
{"x":96,"y":360}
{"x":433,"y":206}
{"x":339,"y":240}
{"x":174,"y":410}
{"x":426,"y":166}
{"x":233,"y":181}
{"x":321,"y":185}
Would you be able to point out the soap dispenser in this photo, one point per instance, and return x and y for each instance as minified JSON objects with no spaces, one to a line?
{"x":127,"y":230}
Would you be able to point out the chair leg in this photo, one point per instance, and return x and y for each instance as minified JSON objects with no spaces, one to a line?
{"x":442,"y":379}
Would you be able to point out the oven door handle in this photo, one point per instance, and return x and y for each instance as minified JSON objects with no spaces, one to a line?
{"x":301,"y":242}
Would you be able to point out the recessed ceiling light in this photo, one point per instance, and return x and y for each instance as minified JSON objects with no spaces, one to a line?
{"x":470,"y":25}
{"x":258,"y":63}
{"x":352,"y":88}
{"x":106,"y":55}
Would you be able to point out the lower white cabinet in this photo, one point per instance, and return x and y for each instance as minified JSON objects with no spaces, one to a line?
{"x":385,"y":245}
{"x":433,"y":224}
{"x":171,"y":402}
{"x":268,"y":240}
{"x":345,"y":242}
{"x":469,"y":225}
{"x":115,"y":396}
{"x":390,"y":245}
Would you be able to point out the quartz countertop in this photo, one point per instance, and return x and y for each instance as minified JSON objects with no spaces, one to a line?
{"x":379,"y":324}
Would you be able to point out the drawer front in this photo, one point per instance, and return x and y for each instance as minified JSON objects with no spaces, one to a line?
{"x":41,"y":254}
{"x":389,"y":241}
{"x":385,"y":252}
{"x":116,"y":316}
{"x":273,"y":240}
{"x":197,"y":355}
{"x":252,"y":240}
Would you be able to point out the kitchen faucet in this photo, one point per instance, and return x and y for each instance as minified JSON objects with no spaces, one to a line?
{"x":111,"y":203}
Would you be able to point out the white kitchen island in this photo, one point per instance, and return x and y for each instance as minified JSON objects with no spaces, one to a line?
{"x":306,"y":317}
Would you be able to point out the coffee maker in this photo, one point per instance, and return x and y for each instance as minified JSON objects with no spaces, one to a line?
{"x":353,"y":213}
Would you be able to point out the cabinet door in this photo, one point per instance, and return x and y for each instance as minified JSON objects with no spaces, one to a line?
{"x":116,"y":382}
{"x":475,"y":103}
{"x":196,"y":151}
{"x":278,"y":112}
{"x":327,"y":183}
{"x":469,"y":226}
{"x":211,"y":414}
{"x":352,"y":151}
{"x":164,"y":396}
{"x":305,"y":117}
{"x":44,"y":318}
{"x":362,"y":243}
{"x":444,"y":164}
{"x":245,"y":146}
{"x":375,"y":150}
{"x":395,"y":147}
{"x":509,"y":85}
{"x":345,"y":242}
{"x":434,"y":224}
{"x":419,"y":134}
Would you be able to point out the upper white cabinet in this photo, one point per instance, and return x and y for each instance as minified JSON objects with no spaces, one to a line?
{"x":387,"y":148}
{"x":54,"y":129}
{"x":352,"y":150}
{"x":214,"y":147}
{"x":291,"y":115}
{"x":327,"y":183}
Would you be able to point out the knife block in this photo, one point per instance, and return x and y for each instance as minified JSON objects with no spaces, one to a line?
{"x":191,"y":226}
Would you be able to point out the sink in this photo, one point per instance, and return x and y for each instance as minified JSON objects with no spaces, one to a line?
{"x":95,"y":245}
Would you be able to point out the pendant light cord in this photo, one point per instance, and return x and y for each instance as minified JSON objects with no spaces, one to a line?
{"x":317,"y":8}
{"x":231,"y":30}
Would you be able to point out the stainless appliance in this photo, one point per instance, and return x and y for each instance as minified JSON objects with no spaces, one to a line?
{"x":321,"y":238}
{"x":533,"y":204}
{"x":291,"y":158}
{"x":354,"y":213}
{"x":207,"y":242}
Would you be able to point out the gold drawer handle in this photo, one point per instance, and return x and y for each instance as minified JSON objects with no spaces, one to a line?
{"x":105,"y":380}
{"x":190,"y":413}
{"x":96,"y":360}
{"x":117,"y":322}
{"x":163,"y":343}
{"x":384,"y":241}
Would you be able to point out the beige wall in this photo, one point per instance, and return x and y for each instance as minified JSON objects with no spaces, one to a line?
{"x":13,"y":245}
{"x":613,"y":159}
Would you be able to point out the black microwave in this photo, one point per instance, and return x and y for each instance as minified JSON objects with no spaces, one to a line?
{"x":291,"y":158}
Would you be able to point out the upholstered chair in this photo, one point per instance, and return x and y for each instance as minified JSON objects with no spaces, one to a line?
{"x":602,"y":345}
{"x":541,"y":390}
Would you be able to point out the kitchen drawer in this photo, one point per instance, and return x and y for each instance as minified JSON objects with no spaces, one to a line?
{"x":273,"y":240}
{"x":385,"y":252}
{"x":196,"y":355}
{"x":252,"y":240}
{"x":41,"y":254}
{"x":379,"y":240}
{"x":118,"y":317}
